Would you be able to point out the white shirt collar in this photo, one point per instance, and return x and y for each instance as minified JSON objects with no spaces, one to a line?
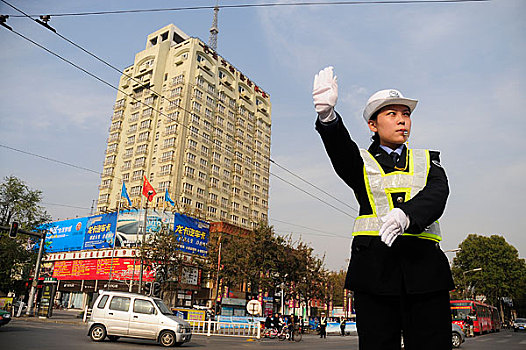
{"x":389,"y":150}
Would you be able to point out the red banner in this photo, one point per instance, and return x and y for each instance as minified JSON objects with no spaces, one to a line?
{"x":99,"y":269}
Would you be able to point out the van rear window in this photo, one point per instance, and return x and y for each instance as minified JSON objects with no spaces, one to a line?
{"x":102,"y":302}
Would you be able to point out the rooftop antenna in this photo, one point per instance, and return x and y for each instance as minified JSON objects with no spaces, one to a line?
{"x":212,"y":40}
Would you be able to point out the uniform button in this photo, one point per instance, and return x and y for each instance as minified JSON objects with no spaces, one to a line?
{"x":400,"y":199}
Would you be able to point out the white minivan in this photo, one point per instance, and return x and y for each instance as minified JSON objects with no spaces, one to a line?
{"x":122,"y":314}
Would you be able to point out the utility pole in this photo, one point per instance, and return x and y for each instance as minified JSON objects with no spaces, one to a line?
{"x":142,"y":243}
{"x":217,"y":277}
{"x":42,"y":236}
{"x":33,"y":292}
{"x":212,"y":40}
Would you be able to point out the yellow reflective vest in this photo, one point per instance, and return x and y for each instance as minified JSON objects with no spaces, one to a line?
{"x":380,"y":186}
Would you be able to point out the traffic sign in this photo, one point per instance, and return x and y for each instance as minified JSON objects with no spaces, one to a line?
{"x":254,"y":307}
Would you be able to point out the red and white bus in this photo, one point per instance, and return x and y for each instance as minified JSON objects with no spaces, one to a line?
{"x":485,"y":317}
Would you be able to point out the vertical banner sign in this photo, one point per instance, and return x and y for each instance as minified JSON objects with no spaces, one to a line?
{"x":65,"y":236}
{"x":192,"y":233}
{"x":100,"y":231}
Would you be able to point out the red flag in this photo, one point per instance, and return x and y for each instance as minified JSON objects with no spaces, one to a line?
{"x":147,"y":187}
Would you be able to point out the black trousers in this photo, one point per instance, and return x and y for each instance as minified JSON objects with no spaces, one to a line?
{"x":323,"y":331}
{"x":424,"y":320}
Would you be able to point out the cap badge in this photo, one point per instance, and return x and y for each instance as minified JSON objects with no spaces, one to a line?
{"x":393,"y":93}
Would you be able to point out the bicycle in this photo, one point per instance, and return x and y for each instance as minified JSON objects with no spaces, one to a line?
{"x":285,"y":334}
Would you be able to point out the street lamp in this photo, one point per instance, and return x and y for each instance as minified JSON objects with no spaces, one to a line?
{"x":456,"y":250}
{"x":464,"y":278}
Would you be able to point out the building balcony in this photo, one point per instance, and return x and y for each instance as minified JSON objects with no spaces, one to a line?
{"x":165,"y":172}
{"x":105,"y":186}
{"x":119,"y":106}
{"x":166,"y":159}
{"x":169,"y":145}
{"x":103,"y":201}
{"x":125,"y":167}
{"x":117,"y":117}
{"x":141,"y":151}
{"x":110,"y":162}
{"x":143,"y":139}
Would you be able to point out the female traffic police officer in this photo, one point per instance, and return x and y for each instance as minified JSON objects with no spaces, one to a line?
{"x":400,"y":276}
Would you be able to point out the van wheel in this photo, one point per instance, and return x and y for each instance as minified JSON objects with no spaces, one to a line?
{"x":97,"y":333}
{"x":113,"y":337}
{"x":167,"y":338}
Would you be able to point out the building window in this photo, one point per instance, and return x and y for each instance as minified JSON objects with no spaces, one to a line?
{"x":192,"y":144}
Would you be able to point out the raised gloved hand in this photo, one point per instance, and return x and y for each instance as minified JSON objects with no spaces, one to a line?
{"x":394,"y":224}
{"x":325,"y":94}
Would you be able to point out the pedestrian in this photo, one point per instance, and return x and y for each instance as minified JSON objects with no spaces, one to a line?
{"x":275,"y":321}
{"x":268,"y":322}
{"x":342,"y":326}
{"x":292,"y":325}
{"x":323,"y":326}
{"x":469,"y":326}
{"x":397,"y":271}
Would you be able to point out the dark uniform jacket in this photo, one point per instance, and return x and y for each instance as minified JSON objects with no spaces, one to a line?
{"x":411,"y":265}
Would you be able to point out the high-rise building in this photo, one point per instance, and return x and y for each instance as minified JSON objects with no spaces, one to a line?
{"x":194,"y":125}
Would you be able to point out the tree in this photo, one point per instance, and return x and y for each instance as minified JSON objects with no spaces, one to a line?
{"x":163,"y":254}
{"x":18,"y":203}
{"x":503,"y":273}
{"x":265,"y":261}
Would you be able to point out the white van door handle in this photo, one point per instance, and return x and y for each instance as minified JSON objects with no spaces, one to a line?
{"x":110,"y":313}
{"x":134,"y":316}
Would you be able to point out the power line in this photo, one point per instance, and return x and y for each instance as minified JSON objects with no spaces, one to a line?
{"x":50,"y":159}
{"x":316,"y":187}
{"x":308,"y":228}
{"x":313,"y":196}
{"x":65,"y":205}
{"x":161,"y":113}
{"x":263,"y":5}
{"x":312,"y":234}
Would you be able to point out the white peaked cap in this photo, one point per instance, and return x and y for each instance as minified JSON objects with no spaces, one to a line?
{"x":384,"y":98}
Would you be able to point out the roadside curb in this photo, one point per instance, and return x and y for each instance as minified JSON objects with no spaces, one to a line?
{"x":47,"y":320}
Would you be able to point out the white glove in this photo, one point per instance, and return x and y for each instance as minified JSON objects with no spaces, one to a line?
{"x":325,"y":94}
{"x":395,"y":223}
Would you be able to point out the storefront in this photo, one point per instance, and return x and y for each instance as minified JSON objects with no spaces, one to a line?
{"x":233,"y":307}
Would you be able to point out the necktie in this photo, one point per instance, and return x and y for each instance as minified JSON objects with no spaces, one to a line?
{"x":395,"y":156}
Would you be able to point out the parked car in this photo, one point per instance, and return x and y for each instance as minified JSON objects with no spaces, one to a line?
{"x":457,"y":335}
{"x":519,"y":324}
{"x":5,"y":317}
{"x":122,"y":314}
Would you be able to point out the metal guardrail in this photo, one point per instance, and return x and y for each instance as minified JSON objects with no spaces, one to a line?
{"x":226,"y":329}
{"x":210,"y":328}
{"x":87,"y":314}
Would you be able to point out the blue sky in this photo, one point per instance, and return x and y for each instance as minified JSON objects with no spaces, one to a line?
{"x":464,"y":62}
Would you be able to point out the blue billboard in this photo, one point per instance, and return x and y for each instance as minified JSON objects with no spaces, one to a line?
{"x":193,"y":234}
{"x":66,"y":235}
{"x":100,"y":231}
